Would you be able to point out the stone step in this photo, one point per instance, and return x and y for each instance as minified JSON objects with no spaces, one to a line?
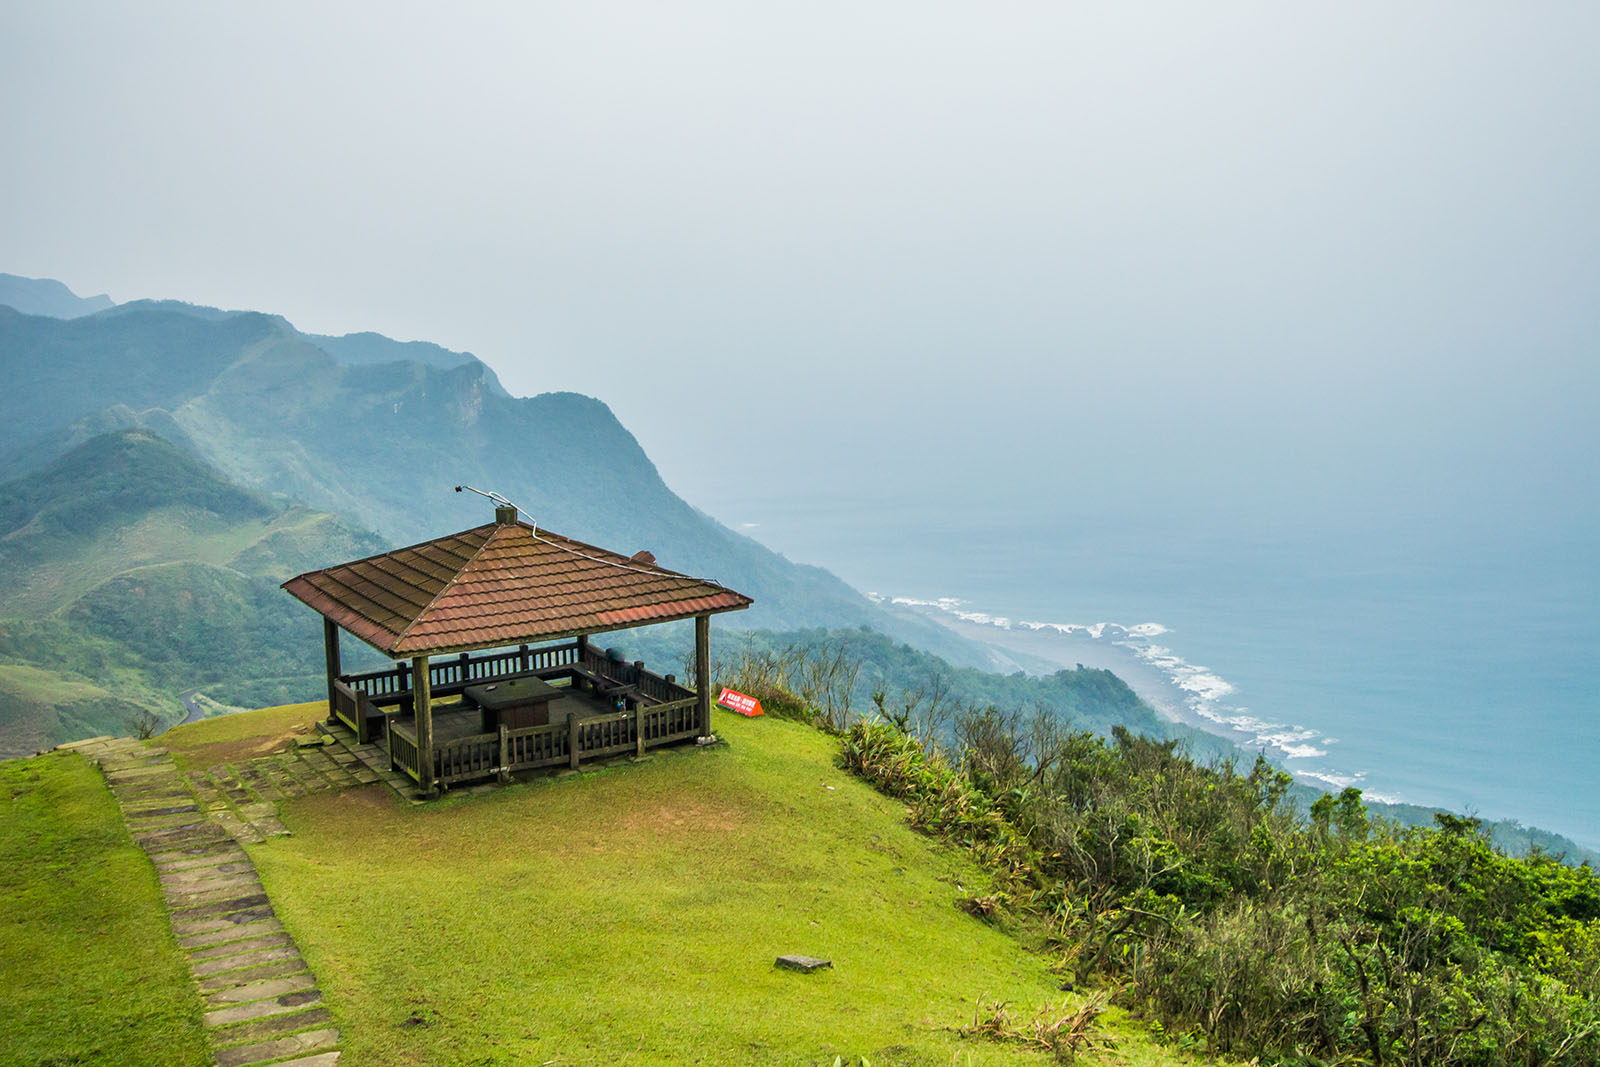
{"x":263,"y":990}
{"x":198,"y":876}
{"x":202,"y":968}
{"x":326,"y":1059}
{"x":273,"y":1026}
{"x":263,"y":1004}
{"x":223,"y":933}
{"x":72,"y":746}
{"x":229,"y":949}
{"x":226,"y":905}
{"x":309,"y":1041}
{"x":192,"y":859}
{"x":260,"y":1009}
{"x":218,"y":892}
{"x":264,"y":972}
{"x":214,"y":924}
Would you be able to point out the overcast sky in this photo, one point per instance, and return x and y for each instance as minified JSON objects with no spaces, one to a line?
{"x":1290,"y":254}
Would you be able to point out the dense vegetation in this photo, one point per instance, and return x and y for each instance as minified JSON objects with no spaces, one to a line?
{"x":835,"y":675}
{"x":1210,"y":903}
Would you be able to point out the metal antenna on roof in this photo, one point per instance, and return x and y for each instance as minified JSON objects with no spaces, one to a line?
{"x":500,"y":501}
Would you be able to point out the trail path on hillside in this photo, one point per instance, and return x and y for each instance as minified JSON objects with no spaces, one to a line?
{"x":262,"y":1001}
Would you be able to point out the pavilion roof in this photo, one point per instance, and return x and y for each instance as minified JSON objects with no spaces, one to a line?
{"x":501,"y":584}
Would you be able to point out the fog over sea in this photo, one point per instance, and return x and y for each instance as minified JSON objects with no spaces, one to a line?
{"x":1425,"y":663}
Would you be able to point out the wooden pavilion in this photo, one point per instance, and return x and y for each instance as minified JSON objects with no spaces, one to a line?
{"x":469,"y":697}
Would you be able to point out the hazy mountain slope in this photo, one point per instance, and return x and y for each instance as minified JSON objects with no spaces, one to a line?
{"x":45,"y":296}
{"x":368,"y":347}
{"x":54,"y":372}
{"x":383,"y":443}
{"x":131,"y":572}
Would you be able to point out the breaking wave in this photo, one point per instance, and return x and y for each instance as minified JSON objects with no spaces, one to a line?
{"x":1197,"y":690}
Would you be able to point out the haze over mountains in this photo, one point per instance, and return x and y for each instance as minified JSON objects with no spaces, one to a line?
{"x":165,"y":466}
{"x":380,"y":441}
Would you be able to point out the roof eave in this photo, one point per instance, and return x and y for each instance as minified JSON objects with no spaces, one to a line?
{"x":559,"y":635}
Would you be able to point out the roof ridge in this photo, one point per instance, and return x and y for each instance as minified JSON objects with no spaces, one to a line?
{"x":399,"y":638}
{"x":627,"y":563}
{"x":386,"y":553}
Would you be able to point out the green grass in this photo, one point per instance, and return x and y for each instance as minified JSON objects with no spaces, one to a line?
{"x":197,"y":746}
{"x":89,"y":969}
{"x":40,"y":709}
{"x":632,"y":914}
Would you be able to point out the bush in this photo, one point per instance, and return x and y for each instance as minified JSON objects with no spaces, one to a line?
{"x":1328,"y":939}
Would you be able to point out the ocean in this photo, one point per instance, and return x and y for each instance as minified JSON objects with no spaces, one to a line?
{"x":1425,"y":662}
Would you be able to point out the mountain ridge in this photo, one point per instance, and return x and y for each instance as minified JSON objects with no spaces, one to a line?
{"x":274,"y":412}
{"x":46,"y":296}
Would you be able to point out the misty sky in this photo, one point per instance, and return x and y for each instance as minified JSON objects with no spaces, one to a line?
{"x":1305,"y":259}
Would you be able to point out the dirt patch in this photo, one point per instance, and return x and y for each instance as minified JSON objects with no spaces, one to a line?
{"x":359,"y":805}
{"x":679,"y":818}
{"x":249,"y":748}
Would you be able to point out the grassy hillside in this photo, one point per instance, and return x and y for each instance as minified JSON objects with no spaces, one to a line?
{"x":90,"y":970}
{"x":130,"y":572}
{"x":631,"y":914}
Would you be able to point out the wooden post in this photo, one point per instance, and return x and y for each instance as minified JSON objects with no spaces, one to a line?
{"x":388,"y":740}
{"x":505,"y":756}
{"x":582,"y":651}
{"x":422,"y":695}
{"x":363,"y":731}
{"x":330,"y":653}
{"x":522,"y":662}
{"x":702,"y":673}
{"x":638,"y":728}
{"x":572,"y":739}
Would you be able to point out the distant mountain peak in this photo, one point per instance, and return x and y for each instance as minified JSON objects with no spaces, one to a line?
{"x":46,"y":296}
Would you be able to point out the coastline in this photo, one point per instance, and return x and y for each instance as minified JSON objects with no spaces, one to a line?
{"x":1065,"y":651}
{"x":1183,"y":693}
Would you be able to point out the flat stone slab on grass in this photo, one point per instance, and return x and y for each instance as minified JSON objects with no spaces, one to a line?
{"x":188,"y":859}
{"x":273,"y":1026}
{"x":219,"y":965}
{"x":231,"y":902}
{"x":241,"y":948}
{"x":804,"y":964}
{"x":191,"y":877}
{"x":281,"y":968}
{"x":324,"y":1059}
{"x":263,"y":1001}
{"x":275,"y":987}
{"x":310,"y":1041}
{"x":262,"y":1008}
{"x":226,"y":933}
{"x":188,"y":928}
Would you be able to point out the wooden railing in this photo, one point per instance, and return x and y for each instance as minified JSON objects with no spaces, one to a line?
{"x":571,"y":742}
{"x":403,"y":753}
{"x":350,"y":707}
{"x":657,"y":687}
{"x":449,"y":675}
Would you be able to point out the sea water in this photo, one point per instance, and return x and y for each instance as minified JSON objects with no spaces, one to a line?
{"x":1424,"y":662}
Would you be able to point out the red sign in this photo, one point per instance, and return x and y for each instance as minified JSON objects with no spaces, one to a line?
{"x":736,"y":701}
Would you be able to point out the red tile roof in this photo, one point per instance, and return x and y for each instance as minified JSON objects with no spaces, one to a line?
{"x":502,"y":584}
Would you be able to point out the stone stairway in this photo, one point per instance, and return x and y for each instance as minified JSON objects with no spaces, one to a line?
{"x":262,"y":1002}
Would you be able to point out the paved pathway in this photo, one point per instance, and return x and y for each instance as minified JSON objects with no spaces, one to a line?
{"x":262,"y":1002}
